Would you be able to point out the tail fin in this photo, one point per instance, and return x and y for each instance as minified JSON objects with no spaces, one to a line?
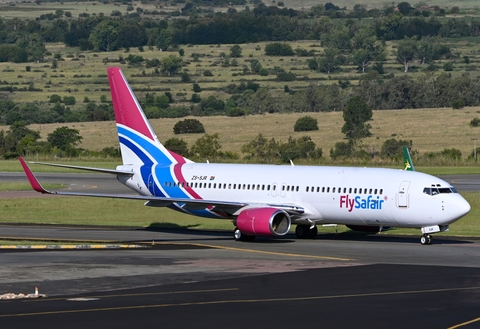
{"x":407,"y":160}
{"x":138,"y":142}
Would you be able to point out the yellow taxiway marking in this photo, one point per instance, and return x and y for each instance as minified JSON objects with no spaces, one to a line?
{"x":465,"y":323}
{"x":254,"y":251}
{"x":238,"y":301}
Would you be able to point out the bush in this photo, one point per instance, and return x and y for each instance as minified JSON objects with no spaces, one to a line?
{"x":306,"y":123}
{"x":188,"y":126}
{"x":458,"y":104}
{"x":475,"y":122}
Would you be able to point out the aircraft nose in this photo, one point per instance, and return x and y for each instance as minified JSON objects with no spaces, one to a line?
{"x":459,"y":208}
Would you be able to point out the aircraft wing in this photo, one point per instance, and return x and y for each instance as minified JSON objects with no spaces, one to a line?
{"x":155,"y":201}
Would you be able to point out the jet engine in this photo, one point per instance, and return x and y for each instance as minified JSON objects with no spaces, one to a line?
{"x":263,"y":221}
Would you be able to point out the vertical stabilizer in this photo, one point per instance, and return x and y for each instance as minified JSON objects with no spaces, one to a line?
{"x":138,"y":142}
{"x":407,"y":160}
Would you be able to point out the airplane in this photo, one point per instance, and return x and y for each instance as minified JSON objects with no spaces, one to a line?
{"x":266,"y":200}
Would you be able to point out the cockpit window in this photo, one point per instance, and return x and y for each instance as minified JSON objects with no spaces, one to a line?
{"x":439,"y":190}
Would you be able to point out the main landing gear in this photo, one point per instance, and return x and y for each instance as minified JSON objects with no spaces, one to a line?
{"x":426,"y":239}
{"x":306,"y":231}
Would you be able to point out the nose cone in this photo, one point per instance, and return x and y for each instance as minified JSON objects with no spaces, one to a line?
{"x":459,"y":208}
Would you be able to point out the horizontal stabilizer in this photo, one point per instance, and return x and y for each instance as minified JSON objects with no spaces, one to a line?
{"x":102,"y":170}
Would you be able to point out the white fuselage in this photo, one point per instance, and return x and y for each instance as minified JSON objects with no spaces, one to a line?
{"x":328,"y":195}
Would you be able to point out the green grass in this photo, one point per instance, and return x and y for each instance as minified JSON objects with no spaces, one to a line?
{"x":129,"y":213}
{"x":26,"y":186}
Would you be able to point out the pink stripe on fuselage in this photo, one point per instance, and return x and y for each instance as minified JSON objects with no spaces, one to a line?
{"x":177,"y":170}
{"x":127,"y":111}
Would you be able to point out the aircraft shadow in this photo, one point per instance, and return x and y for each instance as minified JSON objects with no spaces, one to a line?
{"x":199,"y":234}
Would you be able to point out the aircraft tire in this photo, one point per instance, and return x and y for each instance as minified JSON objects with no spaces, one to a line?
{"x":239,"y":236}
{"x":426,"y":239}
{"x":301,"y":231}
{"x":312,"y":233}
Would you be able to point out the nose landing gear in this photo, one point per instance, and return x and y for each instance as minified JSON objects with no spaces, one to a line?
{"x":426,"y":239}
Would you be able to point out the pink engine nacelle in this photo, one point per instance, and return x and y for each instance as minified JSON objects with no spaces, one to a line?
{"x":263,"y":221}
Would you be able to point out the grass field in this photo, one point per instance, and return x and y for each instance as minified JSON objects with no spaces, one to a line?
{"x":431,"y":130}
{"x":112,"y":212}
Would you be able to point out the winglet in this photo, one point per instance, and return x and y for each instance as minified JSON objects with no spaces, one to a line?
{"x":407,"y":160}
{"x":31,"y":178}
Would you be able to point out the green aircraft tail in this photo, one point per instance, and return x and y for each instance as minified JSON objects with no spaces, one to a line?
{"x":407,"y":160}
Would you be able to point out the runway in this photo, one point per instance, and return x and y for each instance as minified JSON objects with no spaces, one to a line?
{"x":200,"y":279}
{"x":193,"y":279}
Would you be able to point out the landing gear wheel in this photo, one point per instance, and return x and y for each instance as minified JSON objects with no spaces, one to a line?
{"x":312,"y":233}
{"x":426,"y":239}
{"x":304,"y":232}
{"x":301,"y":231}
{"x":239,"y":236}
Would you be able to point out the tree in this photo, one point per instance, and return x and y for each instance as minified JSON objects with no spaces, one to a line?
{"x":306,"y":123}
{"x":177,"y":145}
{"x":171,"y":64}
{"x":206,"y":147}
{"x":393,"y":148}
{"x":329,"y":61}
{"x":356,"y":114}
{"x":279,"y":49}
{"x":64,"y":138}
{"x":104,"y":36}
{"x":188,"y":126}
{"x":235,"y":51}
{"x":404,"y":8}
{"x":261,"y":148}
{"x":366,"y":48}
{"x":406,"y":51}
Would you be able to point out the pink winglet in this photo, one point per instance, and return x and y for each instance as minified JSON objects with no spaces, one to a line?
{"x":127,"y":110}
{"x":31,"y":177}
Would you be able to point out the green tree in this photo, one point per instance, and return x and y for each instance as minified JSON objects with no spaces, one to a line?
{"x":329,"y":61}
{"x":393,"y":148}
{"x":302,"y":147}
{"x":177,"y":145}
{"x":261,"y":149}
{"x":206,"y":147}
{"x":104,"y":36}
{"x":64,"y":138}
{"x":366,"y":48}
{"x":235,"y":51}
{"x":356,"y":114}
{"x":406,"y":51}
{"x":171,"y":64}
{"x":188,"y":126}
{"x":306,"y":123}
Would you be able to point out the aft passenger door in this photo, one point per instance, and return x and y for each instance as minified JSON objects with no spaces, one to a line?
{"x":402,"y":195}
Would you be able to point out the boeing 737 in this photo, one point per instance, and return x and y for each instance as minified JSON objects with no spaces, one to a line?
{"x":265,"y":200}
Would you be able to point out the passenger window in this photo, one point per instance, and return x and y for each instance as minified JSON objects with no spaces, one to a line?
{"x":307,"y":189}
{"x":381,"y":191}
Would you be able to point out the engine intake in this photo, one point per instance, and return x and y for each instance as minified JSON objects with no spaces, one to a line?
{"x":264,"y":221}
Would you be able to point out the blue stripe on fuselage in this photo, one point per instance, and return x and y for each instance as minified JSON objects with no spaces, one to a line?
{"x":162,"y":167}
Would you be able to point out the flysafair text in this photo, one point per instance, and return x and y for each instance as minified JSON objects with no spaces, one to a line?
{"x":357,"y":202}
